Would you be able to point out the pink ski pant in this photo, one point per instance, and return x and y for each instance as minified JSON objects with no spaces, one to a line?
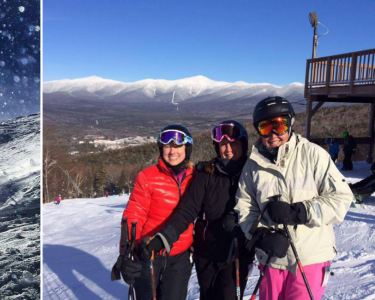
{"x":284,"y":285}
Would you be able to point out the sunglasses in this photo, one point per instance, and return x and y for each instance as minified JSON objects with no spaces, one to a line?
{"x":176,"y":136}
{"x":230,"y":131}
{"x":279,"y":126}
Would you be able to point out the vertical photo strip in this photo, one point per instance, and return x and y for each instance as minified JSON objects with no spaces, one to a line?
{"x":20,"y":149}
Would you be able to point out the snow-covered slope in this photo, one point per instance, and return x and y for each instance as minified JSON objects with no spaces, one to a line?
{"x":199,"y":87}
{"x":20,"y":208}
{"x":81,"y":238}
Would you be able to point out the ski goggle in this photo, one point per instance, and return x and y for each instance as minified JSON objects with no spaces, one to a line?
{"x":279,"y":126}
{"x":230,"y":131}
{"x":176,"y":136}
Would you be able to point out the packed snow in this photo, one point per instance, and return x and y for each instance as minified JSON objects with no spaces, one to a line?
{"x":81,"y":242}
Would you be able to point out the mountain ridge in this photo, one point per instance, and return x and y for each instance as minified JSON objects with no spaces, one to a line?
{"x":164,"y":90}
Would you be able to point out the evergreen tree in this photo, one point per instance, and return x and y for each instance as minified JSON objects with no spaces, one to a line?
{"x":100,"y":180}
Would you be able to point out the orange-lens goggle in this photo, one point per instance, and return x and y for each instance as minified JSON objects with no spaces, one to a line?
{"x":279,"y":126}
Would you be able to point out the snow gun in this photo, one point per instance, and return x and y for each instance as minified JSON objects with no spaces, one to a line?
{"x":277,"y":198}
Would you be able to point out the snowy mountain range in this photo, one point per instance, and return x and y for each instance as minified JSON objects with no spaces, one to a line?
{"x":197,"y":89}
{"x":95,"y":105}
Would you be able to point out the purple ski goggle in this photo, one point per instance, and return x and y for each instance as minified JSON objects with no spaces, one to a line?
{"x":176,"y":136}
{"x":230,"y":131}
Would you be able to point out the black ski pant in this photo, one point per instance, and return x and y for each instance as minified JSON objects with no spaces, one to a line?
{"x":217,"y":280}
{"x":172,"y":276}
{"x":347,"y":163}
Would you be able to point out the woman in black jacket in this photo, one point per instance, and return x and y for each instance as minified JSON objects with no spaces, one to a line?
{"x":210,"y":201}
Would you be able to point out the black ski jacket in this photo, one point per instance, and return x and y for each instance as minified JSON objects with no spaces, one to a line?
{"x":350,"y":144}
{"x":210,"y":198}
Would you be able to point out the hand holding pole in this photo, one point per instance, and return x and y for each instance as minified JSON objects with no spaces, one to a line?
{"x":277,"y":198}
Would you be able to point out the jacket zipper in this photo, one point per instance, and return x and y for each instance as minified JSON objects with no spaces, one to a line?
{"x":177,"y":182}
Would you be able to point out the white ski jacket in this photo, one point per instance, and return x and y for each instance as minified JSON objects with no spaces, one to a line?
{"x":303,"y":172}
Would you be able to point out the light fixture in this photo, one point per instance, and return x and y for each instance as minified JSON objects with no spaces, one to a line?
{"x":313,"y":19}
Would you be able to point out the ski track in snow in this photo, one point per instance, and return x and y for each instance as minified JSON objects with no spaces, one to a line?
{"x":81,"y":241}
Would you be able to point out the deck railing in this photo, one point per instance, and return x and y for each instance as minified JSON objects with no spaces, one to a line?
{"x":349,"y":69}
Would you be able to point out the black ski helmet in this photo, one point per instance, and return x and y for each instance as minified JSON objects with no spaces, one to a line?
{"x":272,"y":107}
{"x":188,"y":146}
{"x":243,"y":139}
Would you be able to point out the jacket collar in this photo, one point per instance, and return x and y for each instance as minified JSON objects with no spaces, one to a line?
{"x":284,"y":151}
{"x":162,"y":167}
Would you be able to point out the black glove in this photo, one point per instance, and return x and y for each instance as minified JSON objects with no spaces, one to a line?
{"x":291,"y":214}
{"x":145,"y":248}
{"x":256,"y":236}
{"x":274,"y":242}
{"x":130,"y":269}
{"x":230,"y":226}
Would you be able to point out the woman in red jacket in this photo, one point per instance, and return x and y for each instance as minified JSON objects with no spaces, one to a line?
{"x":157,"y":191}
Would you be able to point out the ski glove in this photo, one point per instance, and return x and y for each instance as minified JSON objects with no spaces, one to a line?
{"x":230,"y":226}
{"x":285,"y":213}
{"x":145,"y":248}
{"x":273,"y":242}
{"x":130,"y":269}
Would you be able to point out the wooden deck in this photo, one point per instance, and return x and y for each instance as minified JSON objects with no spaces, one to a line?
{"x":349,"y":78}
{"x":342,"y":76}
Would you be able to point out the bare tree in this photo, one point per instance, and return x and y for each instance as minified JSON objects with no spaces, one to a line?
{"x":48,"y":165}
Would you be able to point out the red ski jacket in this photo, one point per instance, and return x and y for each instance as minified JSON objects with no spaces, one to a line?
{"x":157,"y":192}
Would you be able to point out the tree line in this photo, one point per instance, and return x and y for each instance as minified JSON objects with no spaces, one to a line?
{"x":91,"y":175}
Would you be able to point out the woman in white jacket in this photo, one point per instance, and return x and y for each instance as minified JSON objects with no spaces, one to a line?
{"x":313,"y":196}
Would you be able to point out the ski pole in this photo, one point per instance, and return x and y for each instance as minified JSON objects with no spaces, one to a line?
{"x":277,"y":198}
{"x":131,"y":294}
{"x":261,"y":276}
{"x":124,"y":244}
{"x":256,"y":223}
{"x":237,"y":262}
{"x":230,"y":252}
{"x":152,"y":269}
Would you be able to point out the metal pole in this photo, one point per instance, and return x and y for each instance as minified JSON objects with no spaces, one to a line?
{"x":277,"y":198}
{"x":261,"y":276}
{"x":315,"y":42}
{"x":131,"y":293}
{"x":237,"y":263}
{"x":152,"y":270}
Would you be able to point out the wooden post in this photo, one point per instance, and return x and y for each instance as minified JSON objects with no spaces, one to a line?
{"x":308,"y":116}
{"x":307,"y":80}
{"x":369,"y":157}
{"x":328,"y":74}
{"x":315,"y":109}
{"x":353,"y":72}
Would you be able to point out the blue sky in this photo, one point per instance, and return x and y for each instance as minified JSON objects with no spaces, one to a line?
{"x":224,"y":40}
